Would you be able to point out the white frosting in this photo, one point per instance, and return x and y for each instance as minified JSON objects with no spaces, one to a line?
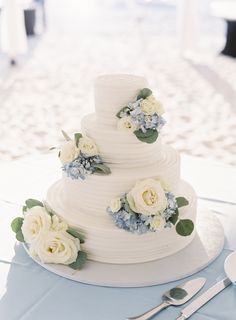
{"x":105,"y":242}
{"x":83,"y":204}
{"x":93,"y":195}
{"x":112,"y":92}
{"x":121,"y":149}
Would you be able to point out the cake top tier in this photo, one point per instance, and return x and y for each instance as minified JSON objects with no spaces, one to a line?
{"x":114,"y":91}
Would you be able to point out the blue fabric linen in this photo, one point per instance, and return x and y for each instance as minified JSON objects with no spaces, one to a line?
{"x":34,"y":294}
{"x":29,"y":292}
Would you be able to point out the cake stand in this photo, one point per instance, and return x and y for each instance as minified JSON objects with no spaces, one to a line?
{"x":205,"y":247}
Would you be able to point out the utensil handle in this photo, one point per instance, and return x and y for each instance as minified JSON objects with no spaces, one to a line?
{"x":149,"y":314}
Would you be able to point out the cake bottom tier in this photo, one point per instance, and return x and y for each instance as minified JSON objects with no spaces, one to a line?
{"x":105,"y":242}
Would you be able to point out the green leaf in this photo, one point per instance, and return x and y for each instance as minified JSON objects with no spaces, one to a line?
{"x":30,"y":203}
{"x":144,"y":93}
{"x":80,"y":261}
{"x":75,"y":234}
{"x":65,"y":135}
{"x":24,"y":209}
{"x":17,"y":224}
{"x":184,"y":227}
{"x":174,"y":218}
{"x":19,"y":236}
{"x":124,"y":109}
{"x":127,"y":207}
{"x":102,"y":169}
{"x":181,"y":202}
{"x":48,"y":209}
{"x":77,"y":138}
{"x":149,"y":137}
{"x":59,"y":154}
{"x":178,"y":293}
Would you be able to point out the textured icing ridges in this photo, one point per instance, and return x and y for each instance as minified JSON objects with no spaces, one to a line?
{"x":114,"y":91}
{"x":83,"y":203}
{"x":97,"y":191}
{"x":118,"y":148}
{"x":106,"y":243}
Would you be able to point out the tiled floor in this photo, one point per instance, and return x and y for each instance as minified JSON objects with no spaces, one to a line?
{"x":52,"y":88}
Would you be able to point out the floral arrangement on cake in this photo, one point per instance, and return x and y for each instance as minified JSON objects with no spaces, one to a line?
{"x":80,"y":157}
{"x":48,"y":237}
{"x":143,"y":117}
{"x":150,"y":206}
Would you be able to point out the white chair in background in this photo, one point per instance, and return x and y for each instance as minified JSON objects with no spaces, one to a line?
{"x":13,"y":35}
{"x":187,"y":15}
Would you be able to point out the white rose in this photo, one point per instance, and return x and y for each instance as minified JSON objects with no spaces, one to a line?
{"x":56,"y":247}
{"x":150,"y":106}
{"x":115,"y":205}
{"x":58,"y":224}
{"x":88,"y":146}
{"x":126,"y":124}
{"x":157,"y":223}
{"x":36,"y":221}
{"x":147,"y":197}
{"x":158,"y":106}
{"x":69,"y":152}
{"x":147,"y":107}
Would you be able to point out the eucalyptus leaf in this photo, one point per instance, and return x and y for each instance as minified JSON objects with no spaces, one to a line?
{"x":48,"y":209}
{"x":80,"y":261}
{"x":149,"y":136}
{"x":178,"y":293}
{"x":77,"y":138}
{"x":17,"y":224}
{"x":20,"y":236}
{"x":75,"y":234}
{"x":30,"y":203}
{"x":101,"y":168}
{"x":181,"y":202}
{"x":144,"y":93}
{"x":184,"y":227}
{"x":124,"y":109}
{"x":65,"y":135}
{"x":127,"y":207}
{"x":174,"y":218}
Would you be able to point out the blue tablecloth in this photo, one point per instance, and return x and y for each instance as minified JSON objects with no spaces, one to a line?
{"x":29,"y":292}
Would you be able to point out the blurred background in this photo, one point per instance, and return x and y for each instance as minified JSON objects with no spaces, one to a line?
{"x":51,"y":51}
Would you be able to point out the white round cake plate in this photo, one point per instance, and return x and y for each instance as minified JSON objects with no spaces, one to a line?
{"x":205,"y":247}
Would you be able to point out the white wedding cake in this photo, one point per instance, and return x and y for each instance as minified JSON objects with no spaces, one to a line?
{"x":132,"y":206}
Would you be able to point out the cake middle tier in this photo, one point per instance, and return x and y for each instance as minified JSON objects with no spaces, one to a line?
{"x":92,"y":196}
{"x":121,"y":149}
{"x":105,"y":242}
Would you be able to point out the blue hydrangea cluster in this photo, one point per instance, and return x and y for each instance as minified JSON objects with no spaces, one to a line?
{"x":171,"y":206}
{"x":81,"y":167}
{"x":139,"y":223}
{"x":143,"y":121}
{"x":129,"y":221}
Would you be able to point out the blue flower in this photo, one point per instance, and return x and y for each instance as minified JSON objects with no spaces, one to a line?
{"x":171,"y":206}
{"x":139,"y":223}
{"x":81,"y":167}
{"x":128,"y":221}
